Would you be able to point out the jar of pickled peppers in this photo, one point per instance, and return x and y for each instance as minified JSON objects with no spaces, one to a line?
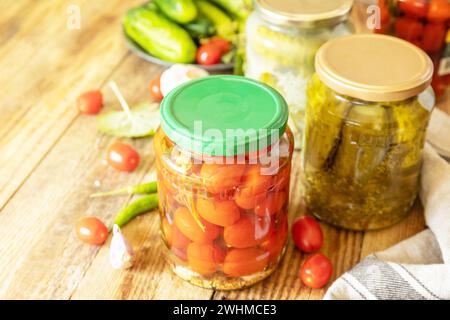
{"x":282,"y":38}
{"x":368,"y":109}
{"x":223,"y":159}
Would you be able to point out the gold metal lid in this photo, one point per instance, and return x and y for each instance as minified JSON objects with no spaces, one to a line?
{"x":304,"y":13}
{"x":374,"y":67}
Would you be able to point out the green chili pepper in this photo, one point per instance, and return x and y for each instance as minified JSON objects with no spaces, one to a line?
{"x":145,"y":188}
{"x":135,"y":208}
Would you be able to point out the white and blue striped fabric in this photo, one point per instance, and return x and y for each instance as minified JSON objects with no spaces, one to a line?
{"x":417,"y":268}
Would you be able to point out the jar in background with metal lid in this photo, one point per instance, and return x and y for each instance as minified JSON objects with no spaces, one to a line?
{"x":223,"y":160}
{"x":282,"y":38}
{"x":368,"y":109}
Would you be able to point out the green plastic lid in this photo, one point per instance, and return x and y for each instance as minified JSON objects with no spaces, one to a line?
{"x":224,"y":115}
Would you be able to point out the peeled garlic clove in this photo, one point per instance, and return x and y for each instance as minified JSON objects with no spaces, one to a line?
{"x":121,"y":253}
{"x":179,"y":74}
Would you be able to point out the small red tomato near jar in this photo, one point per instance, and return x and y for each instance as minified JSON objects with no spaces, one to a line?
{"x":122,"y":157}
{"x":209,"y":54}
{"x":223,"y":44}
{"x":90,"y":102}
{"x":307,"y":234}
{"x":316,"y":271}
{"x":155,"y":88}
{"x":91,"y":230}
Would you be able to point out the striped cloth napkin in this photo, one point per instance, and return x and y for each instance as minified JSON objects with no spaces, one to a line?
{"x":417,"y":268}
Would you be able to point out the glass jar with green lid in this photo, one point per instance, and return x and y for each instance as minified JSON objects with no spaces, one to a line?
{"x":368,"y":109}
{"x":282,"y":38}
{"x":223,"y":160}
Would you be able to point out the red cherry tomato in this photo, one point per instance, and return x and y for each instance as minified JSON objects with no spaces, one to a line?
{"x":433,"y":37}
{"x":307,"y":234}
{"x":209,"y":54}
{"x":409,"y":29}
{"x":316,"y":271}
{"x":155,"y":88}
{"x":123,"y":157}
{"x":439,"y":11}
{"x":223,"y":44}
{"x":414,"y":8}
{"x":91,"y":230}
{"x":90,"y":102}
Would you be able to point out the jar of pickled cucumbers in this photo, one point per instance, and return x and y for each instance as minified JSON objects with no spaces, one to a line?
{"x":223,"y":159}
{"x":368,"y":109}
{"x":282,"y":38}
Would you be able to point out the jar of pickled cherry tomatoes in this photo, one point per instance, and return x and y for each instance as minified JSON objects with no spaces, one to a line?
{"x":223,"y":159}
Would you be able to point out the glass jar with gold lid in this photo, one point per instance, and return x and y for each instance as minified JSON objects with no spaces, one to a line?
{"x":282,"y":38}
{"x":368,"y":109}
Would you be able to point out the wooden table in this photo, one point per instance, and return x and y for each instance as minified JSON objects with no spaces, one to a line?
{"x":51,"y":160}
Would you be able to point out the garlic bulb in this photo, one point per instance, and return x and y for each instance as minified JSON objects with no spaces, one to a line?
{"x":121,"y":253}
{"x":179,"y":74}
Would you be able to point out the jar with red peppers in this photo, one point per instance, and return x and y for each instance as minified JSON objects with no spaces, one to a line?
{"x":223,"y":159}
{"x":424,"y":23}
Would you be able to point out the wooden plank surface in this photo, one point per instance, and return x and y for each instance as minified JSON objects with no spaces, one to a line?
{"x":51,"y":159}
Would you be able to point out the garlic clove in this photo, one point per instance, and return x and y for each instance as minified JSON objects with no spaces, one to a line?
{"x":179,"y":74}
{"x":121,"y":254}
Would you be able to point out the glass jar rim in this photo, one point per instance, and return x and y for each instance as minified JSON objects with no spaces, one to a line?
{"x":224,"y":115}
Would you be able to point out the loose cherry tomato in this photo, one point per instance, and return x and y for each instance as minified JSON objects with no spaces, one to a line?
{"x":439,"y":11}
{"x":220,"y":177}
{"x":249,"y":231}
{"x":221,"y":213}
{"x":316,"y":271}
{"x":272,"y":204}
{"x":223,"y":44}
{"x":409,"y":29}
{"x":414,"y":8}
{"x":209,"y":54}
{"x":122,"y":157}
{"x":155,"y":88}
{"x":307,"y":234}
{"x":90,"y":102}
{"x":91,"y":230}
{"x":242,"y":262}
{"x":433,"y":37}
{"x":204,"y":258}
{"x":186,"y":223}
